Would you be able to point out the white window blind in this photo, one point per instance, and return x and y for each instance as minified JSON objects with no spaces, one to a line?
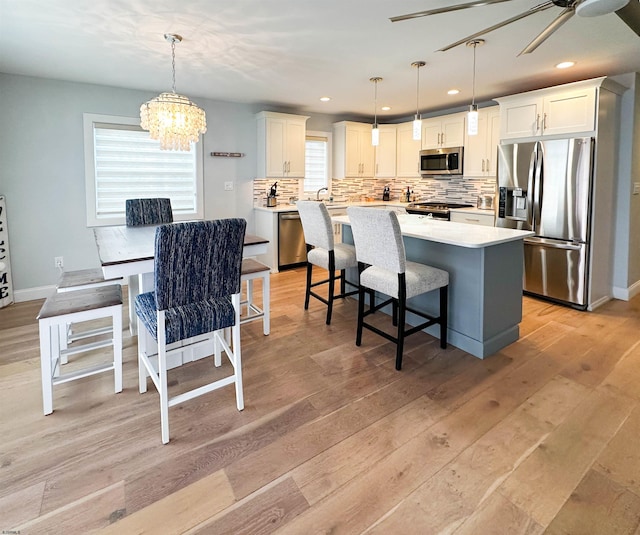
{"x":126,"y":164}
{"x":316,"y":172}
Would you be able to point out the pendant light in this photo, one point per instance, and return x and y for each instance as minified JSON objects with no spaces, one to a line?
{"x":472,"y":116}
{"x":417,"y":122}
{"x":171,"y":118}
{"x":375,"y":131}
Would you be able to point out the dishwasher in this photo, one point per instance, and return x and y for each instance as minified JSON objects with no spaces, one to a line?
{"x":292,"y":250}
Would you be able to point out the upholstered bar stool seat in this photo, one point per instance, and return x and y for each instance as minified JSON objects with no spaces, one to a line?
{"x":69,"y":307}
{"x":252,"y":270}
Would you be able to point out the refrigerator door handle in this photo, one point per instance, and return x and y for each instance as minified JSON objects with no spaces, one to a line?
{"x":537,"y":186}
{"x":532,"y":170}
{"x":553,"y":244}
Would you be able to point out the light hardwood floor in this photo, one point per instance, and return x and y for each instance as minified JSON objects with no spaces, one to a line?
{"x":541,"y":437}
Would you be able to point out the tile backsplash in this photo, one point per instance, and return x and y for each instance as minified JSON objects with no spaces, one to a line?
{"x":354,"y":189}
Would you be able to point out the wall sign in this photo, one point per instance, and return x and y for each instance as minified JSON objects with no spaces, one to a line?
{"x":6,"y":286}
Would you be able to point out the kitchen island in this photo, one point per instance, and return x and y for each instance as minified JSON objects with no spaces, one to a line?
{"x":485,"y":266}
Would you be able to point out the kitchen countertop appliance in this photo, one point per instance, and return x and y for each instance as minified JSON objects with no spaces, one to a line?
{"x":437,"y":210}
{"x":485,"y":201}
{"x":546,"y":187}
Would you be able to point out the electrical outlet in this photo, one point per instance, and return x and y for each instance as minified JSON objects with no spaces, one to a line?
{"x":58,"y":262}
{"x":228,"y":186}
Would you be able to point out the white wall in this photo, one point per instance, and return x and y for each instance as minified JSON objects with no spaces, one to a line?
{"x":626,"y":277}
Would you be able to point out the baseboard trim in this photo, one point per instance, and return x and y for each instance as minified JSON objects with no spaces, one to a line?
{"x":31,"y":294}
{"x":626,"y":294}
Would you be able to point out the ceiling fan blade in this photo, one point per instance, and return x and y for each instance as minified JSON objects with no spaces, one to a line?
{"x":630,"y":14}
{"x":548,"y":31}
{"x":445,"y":9}
{"x":536,"y":9}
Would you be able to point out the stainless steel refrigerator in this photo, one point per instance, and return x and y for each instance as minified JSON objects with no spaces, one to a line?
{"x":546,"y":187}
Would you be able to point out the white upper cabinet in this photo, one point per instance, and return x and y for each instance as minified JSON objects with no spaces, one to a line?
{"x":408,"y":152}
{"x":281,"y":145}
{"x":568,"y":109}
{"x":353,"y":154}
{"x":480,"y":151}
{"x":444,"y":131}
{"x":386,"y":152}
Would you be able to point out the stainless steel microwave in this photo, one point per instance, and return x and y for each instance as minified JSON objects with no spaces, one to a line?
{"x":441,"y":163}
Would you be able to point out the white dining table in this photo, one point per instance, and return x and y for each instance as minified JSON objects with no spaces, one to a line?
{"x":129,"y":251}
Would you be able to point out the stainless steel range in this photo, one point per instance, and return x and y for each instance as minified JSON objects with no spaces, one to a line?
{"x":437,"y":210}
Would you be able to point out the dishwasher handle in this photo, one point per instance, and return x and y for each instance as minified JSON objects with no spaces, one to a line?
{"x":289,"y":217}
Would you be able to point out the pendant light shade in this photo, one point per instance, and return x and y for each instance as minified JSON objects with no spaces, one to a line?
{"x":472,"y":116}
{"x":171,"y":118}
{"x":417,"y":121}
{"x":375,"y":131}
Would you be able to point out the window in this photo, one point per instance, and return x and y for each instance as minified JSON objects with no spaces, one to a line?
{"x":316,"y":169}
{"x":122,"y":162}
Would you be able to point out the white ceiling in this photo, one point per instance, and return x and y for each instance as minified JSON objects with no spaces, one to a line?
{"x":292,"y":52}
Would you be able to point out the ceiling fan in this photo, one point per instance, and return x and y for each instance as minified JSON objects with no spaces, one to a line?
{"x":627,"y":10}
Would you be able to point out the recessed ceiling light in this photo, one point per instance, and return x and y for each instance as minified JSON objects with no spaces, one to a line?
{"x":565,"y":64}
{"x":325,"y":99}
{"x":453,"y":91}
{"x":385,"y":108}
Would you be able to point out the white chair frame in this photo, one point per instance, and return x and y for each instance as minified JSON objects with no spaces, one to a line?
{"x":253,"y":311}
{"x":54,"y":351}
{"x":155,"y":365}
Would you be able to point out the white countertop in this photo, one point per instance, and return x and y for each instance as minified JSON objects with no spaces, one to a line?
{"x":460,"y":234}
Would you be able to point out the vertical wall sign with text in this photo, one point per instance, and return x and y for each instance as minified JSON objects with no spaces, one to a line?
{"x":6,"y":287}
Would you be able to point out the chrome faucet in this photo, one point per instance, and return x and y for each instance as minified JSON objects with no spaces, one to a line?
{"x":318,"y":193}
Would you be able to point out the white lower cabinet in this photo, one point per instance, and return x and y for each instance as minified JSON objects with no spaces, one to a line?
{"x":473,"y":218}
{"x":337,"y":227}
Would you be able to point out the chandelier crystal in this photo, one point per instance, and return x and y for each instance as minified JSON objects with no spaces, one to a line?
{"x":172,"y":118}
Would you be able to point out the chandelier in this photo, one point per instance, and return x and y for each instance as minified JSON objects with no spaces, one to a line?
{"x":172,"y":118}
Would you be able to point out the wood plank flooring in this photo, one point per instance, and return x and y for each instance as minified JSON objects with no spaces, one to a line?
{"x":538,"y":438}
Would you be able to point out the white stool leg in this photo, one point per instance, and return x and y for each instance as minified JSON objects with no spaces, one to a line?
{"x":63,"y":335}
{"x":237,"y":355}
{"x":117,"y":348}
{"x":266,"y":304}
{"x":249,"y":295}
{"x":45,"y":365}
{"x":142,"y":348}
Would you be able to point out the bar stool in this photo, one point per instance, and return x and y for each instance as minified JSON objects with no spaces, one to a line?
{"x":384,"y":267}
{"x":323,"y":252}
{"x":251,"y":270}
{"x":64,"y":308}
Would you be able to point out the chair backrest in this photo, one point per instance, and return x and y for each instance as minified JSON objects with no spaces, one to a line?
{"x":148,"y":212}
{"x":316,"y":224}
{"x":377,"y":237}
{"x":197,"y":260}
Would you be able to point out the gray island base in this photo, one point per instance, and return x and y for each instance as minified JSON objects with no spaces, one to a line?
{"x":485,"y":266}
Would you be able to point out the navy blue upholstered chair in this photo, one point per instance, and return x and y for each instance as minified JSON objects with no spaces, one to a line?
{"x":197,"y":292}
{"x":148,"y":212}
